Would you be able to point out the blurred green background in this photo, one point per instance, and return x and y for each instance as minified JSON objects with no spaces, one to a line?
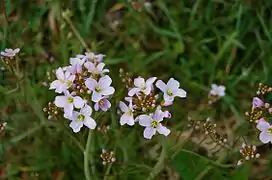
{"x":198,"y":42}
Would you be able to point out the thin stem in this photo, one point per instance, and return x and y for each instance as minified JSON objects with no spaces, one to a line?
{"x":75,"y":31}
{"x":107,"y":171}
{"x":160,"y":164}
{"x":86,"y":156}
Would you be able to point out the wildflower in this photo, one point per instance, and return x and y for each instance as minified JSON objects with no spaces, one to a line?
{"x":107,"y":156}
{"x":127,"y":117}
{"x":100,"y":88}
{"x":83,"y":117}
{"x":103,"y":104}
{"x":96,"y":58}
{"x":266,"y":131}
{"x":218,"y":90}
{"x":77,"y":61}
{"x":74,"y":69}
{"x":10,"y":53}
{"x":257,"y":102}
{"x":63,"y":82}
{"x":170,"y":90}
{"x":68,"y":102}
{"x":248,"y":152}
{"x":152,"y":124}
{"x":142,"y":86}
{"x":96,"y":69}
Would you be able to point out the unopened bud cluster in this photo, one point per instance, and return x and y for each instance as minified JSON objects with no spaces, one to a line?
{"x":107,"y":157}
{"x":248,"y":152}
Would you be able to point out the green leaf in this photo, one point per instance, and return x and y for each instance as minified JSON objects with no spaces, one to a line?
{"x":188,"y":165}
{"x":242,"y":173}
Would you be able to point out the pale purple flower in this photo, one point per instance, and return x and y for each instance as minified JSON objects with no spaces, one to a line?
{"x":77,"y":60}
{"x":267,"y":105}
{"x":266,"y":131}
{"x":100,"y":88}
{"x":257,"y":102}
{"x":152,"y":124}
{"x":94,"y":57}
{"x":83,"y":117}
{"x":170,"y":90}
{"x":127,"y":116}
{"x":142,"y":86}
{"x":103,"y":104}
{"x":74,"y":69}
{"x":10,"y":52}
{"x":68,"y":102}
{"x":63,"y":82}
{"x":96,"y":69}
{"x":218,"y":90}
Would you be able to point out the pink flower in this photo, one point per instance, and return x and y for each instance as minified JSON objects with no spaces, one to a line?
{"x":96,"y":69}
{"x":10,"y":52}
{"x":266,"y":131}
{"x":257,"y":102}
{"x":127,"y":116}
{"x":63,"y":82}
{"x":103,"y":104}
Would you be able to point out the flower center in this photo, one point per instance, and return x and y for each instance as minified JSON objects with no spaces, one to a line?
{"x":98,"y":89}
{"x":154,"y":124}
{"x":130,"y":112}
{"x":101,"y":102}
{"x":70,"y":100}
{"x":169,"y":92}
{"x":81,"y":117}
{"x":269,"y":131}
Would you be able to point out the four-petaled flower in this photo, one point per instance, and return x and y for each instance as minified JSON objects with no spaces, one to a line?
{"x":63,"y":82}
{"x":127,"y":117}
{"x":83,"y":117}
{"x":10,"y":52}
{"x":103,"y":104}
{"x":266,"y":131}
{"x":77,"y":60}
{"x":218,"y":90}
{"x":96,"y":69}
{"x":152,"y":124}
{"x":170,"y":90}
{"x":142,"y":86}
{"x":100,"y":88}
{"x":68,"y":102}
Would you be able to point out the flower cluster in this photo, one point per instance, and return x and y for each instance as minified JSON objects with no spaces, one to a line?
{"x":82,"y":86}
{"x":216,"y":92}
{"x":9,"y":53}
{"x":261,"y":113}
{"x":248,"y":152}
{"x":143,"y":104}
{"x":107,"y":157}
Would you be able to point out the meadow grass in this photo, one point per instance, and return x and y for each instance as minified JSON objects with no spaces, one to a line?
{"x":197,"y":42}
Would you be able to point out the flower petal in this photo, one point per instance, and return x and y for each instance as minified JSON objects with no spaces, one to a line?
{"x":263,"y":125}
{"x":161,"y":85}
{"x":89,"y":122}
{"x":163,"y":130}
{"x":123,"y":106}
{"x":60,"y":101}
{"x":96,"y":106}
{"x":78,"y":102}
{"x":139,"y":81}
{"x":181,"y":93}
{"x":173,"y":84}
{"x":105,"y":81}
{"x":60,"y":73}
{"x":86,"y":110}
{"x":168,"y":98}
{"x":127,"y":119}
{"x":91,"y":83}
{"x":150,"y":81}
{"x":264,"y":137}
{"x":68,"y":109}
{"x":76,"y":125}
{"x":133,"y":91}
{"x":96,"y":96}
{"x":257,"y":102}
{"x":108,"y":91}
{"x":149,"y":132}
{"x":145,"y":120}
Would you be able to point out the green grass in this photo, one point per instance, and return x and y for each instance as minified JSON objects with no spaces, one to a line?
{"x":197,"y":42}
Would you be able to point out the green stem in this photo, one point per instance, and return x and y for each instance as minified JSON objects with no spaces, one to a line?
{"x":107,"y":171}
{"x":160,"y":164}
{"x":86,"y":156}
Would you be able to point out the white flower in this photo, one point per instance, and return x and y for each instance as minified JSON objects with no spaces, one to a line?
{"x":142,"y":85}
{"x":10,"y":52}
{"x":77,"y":61}
{"x":103,"y":104}
{"x":68,"y":102}
{"x":127,"y":116}
{"x":100,"y":88}
{"x":266,"y":131}
{"x":170,"y":90}
{"x":218,"y":90}
{"x":96,"y":69}
{"x":82,"y":118}
{"x":152,"y":124}
{"x":63,"y":82}
{"x":94,"y":57}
